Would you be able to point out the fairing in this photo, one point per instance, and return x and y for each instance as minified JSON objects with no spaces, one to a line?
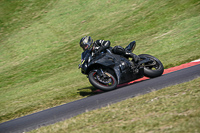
{"x":119,"y":64}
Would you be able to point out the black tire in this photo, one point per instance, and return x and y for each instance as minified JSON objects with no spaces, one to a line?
{"x":104,"y":87}
{"x":154,"y":70}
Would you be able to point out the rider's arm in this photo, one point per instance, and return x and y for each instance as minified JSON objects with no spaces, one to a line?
{"x":102,"y":44}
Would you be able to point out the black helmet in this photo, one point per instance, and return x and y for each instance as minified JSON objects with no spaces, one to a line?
{"x":86,"y":42}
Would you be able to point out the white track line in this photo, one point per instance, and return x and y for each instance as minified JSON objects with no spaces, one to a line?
{"x":196,"y":60}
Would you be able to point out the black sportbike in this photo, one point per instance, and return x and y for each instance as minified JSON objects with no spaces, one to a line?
{"x":106,"y":70}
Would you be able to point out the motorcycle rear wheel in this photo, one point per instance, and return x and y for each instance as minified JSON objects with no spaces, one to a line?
{"x":152,"y":69}
{"x":107,"y":83}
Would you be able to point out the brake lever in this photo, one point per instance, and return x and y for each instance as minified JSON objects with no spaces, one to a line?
{"x":79,"y":66}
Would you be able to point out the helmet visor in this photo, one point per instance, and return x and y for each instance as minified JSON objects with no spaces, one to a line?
{"x":85,"y":46}
{"x":87,"y":43}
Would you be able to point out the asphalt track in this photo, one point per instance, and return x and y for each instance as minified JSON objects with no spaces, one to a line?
{"x":172,"y":76}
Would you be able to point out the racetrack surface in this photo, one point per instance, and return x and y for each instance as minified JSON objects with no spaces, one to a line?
{"x":172,"y":76}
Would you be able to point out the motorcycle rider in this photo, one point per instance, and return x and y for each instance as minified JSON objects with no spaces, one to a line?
{"x":99,"y":46}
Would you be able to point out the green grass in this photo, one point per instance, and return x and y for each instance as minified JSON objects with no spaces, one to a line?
{"x":39,"y":50}
{"x":172,"y":109}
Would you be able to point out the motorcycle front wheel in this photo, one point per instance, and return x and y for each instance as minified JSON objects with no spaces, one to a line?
{"x":107,"y":82}
{"x":154,"y":68}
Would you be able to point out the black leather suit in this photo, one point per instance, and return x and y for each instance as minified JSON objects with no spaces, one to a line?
{"x":102,"y":45}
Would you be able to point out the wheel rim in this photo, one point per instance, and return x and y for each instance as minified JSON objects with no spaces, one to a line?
{"x":105,"y":81}
{"x":152,"y":66}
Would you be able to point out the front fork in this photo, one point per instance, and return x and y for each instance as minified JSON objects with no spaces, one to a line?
{"x":101,"y":73}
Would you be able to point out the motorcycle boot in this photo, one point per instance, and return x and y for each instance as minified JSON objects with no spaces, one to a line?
{"x":131,"y":46}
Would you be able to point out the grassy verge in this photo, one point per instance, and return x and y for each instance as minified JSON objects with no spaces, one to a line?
{"x":39,"y":50}
{"x":172,"y":109}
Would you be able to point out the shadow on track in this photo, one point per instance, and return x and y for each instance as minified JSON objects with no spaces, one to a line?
{"x":91,"y":91}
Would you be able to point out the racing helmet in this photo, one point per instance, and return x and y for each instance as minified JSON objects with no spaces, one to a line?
{"x":86,"y":42}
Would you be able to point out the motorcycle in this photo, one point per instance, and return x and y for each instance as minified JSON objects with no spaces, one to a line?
{"x":107,"y":69}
